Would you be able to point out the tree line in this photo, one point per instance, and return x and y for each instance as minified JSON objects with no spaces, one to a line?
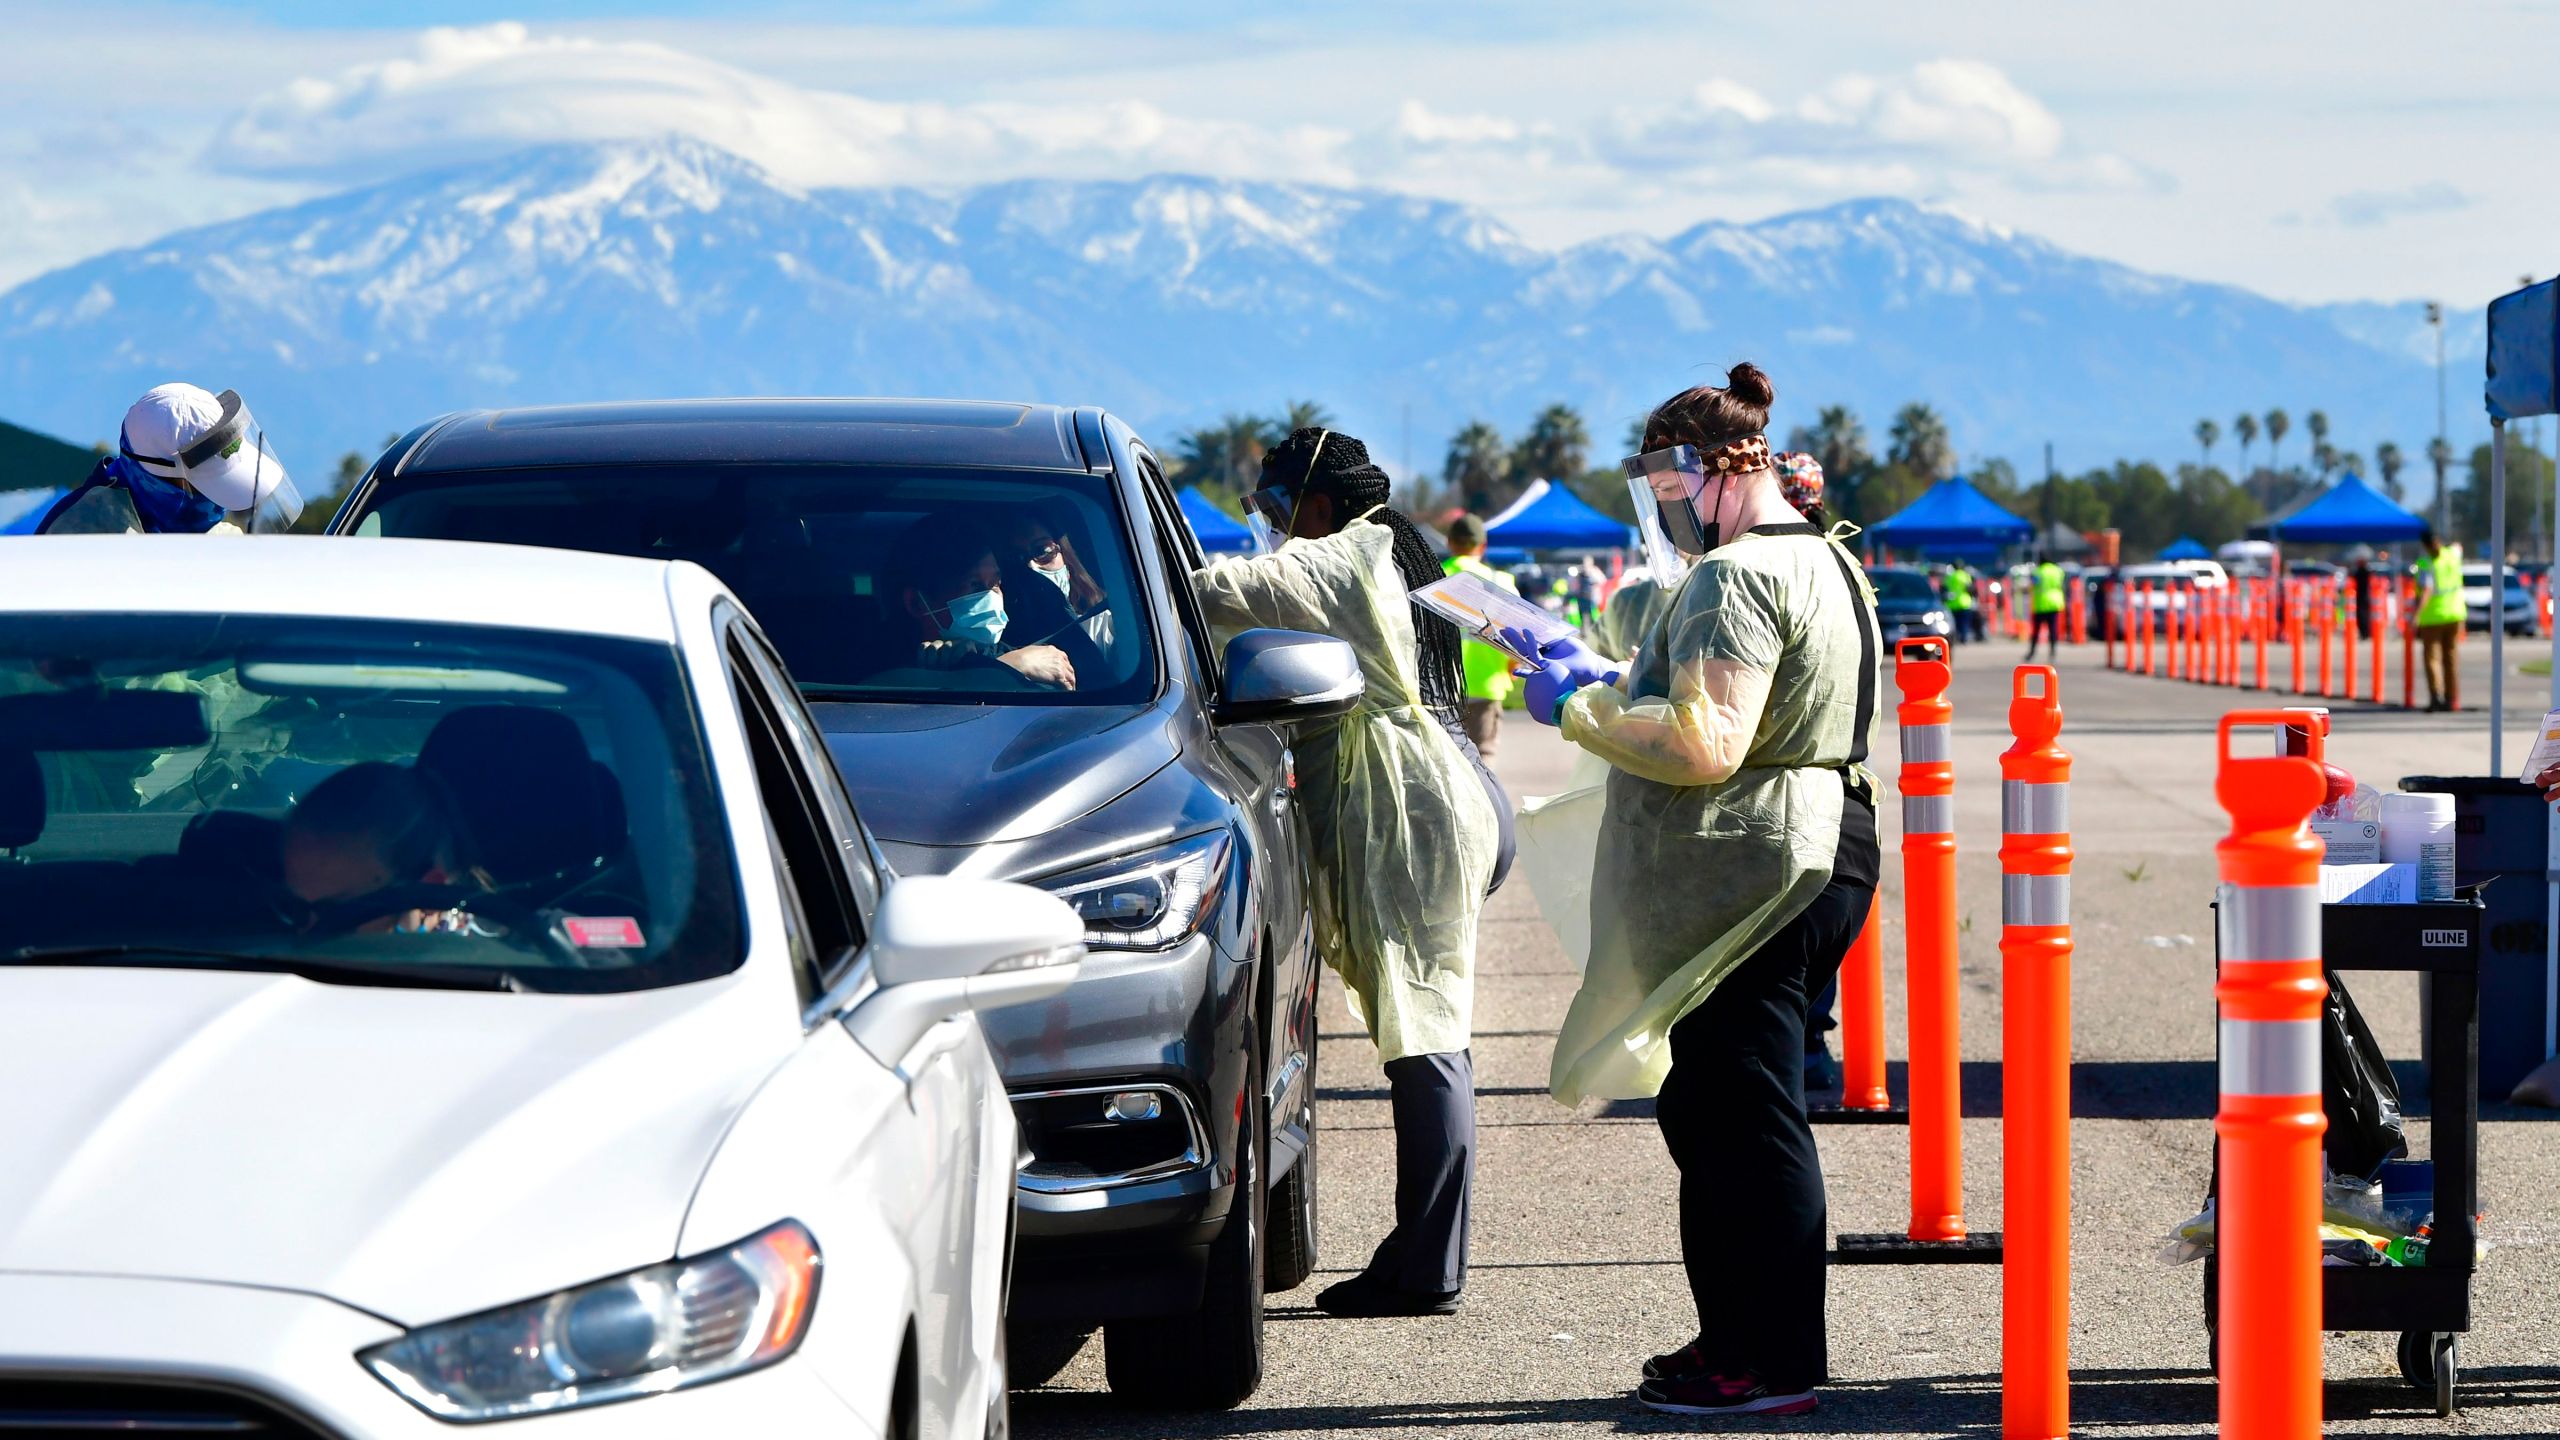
{"x":1482,"y":470}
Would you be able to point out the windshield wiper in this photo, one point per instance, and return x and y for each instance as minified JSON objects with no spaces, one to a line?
{"x":308,"y":967}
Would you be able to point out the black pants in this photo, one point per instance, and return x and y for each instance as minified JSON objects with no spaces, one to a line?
{"x":1434,"y":1100}
{"x":1753,"y":1226}
{"x":2048,"y":627}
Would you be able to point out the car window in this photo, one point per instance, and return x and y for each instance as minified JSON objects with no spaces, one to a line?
{"x":875,"y":583}
{"x":1901,"y":585}
{"x":811,"y":758}
{"x":813,"y":875}
{"x":434,"y":803}
{"x":1181,"y":550}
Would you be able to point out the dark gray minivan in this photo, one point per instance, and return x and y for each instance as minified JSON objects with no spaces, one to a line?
{"x":1167,"y":1101}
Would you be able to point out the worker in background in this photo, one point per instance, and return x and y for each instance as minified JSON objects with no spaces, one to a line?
{"x":1488,"y":670}
{"x":1961,"y":605}
{"x":2441,"y":616}
{"x":2046,"y":600}
{"x":1737,"y":860}
{"x":1404,"y":832}
{"x":187,"y":462}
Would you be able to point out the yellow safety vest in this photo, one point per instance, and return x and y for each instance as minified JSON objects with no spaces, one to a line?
{"x":2443,"y":605}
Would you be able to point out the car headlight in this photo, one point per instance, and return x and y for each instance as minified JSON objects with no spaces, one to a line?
{"x":1150,"y":900}
{"x":1934,"y":618}
{"x":663,"y":1328}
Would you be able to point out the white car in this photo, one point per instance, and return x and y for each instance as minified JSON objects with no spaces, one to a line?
{"x":2518,"y":609}
{"x":445,"y":983}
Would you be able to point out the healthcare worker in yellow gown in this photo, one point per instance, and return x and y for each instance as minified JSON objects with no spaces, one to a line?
{"x":1404,"y":831}
{"x":1736,"y":858}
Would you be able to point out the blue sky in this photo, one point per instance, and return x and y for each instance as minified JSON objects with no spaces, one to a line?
{"x":2346,"y":150}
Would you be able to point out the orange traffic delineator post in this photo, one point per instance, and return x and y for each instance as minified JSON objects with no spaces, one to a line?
{"x":2150,"y":623}
{"x":2035,"y":1063}
{"x":2374,"y":690}
{"x":1864,"y":1100}
{"x":2295,"y":626}
{"x":2326,"y":675}
{"x":2347,"y":645}
{"x":2408,"y":645}
{"x":2258,"y":626}
{"x":2269,"y":1120}
{"x":1937,"y":1234}
{"x":2177,"y":639}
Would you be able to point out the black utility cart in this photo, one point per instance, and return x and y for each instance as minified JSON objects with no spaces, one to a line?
{"x":2430,"y":1304}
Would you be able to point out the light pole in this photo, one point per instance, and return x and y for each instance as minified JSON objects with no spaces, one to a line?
{"x":2444,"y":515}
{"x":2533,"y":447}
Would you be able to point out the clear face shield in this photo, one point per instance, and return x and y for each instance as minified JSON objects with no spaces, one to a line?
{"x":1268,"y":515}
{"x":1672,"y":511}
{"x":233,"y":466}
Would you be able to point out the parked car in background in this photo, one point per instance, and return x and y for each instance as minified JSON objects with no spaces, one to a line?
{"x":459,"y":990}
{"x":2517,"y":609}
{"x":1167,"y":1100}
{"x":1907,"y":605}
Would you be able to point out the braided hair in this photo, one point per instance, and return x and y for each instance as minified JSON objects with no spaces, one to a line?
{"x":1330,"y":463}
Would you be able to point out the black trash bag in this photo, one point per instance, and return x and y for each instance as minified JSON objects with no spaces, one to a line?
{"x":2357,"y":1091}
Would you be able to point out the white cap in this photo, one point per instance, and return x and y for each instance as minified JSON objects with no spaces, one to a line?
{"x":169,"y":419}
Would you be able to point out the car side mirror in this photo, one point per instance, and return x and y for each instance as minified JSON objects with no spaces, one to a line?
{"x":1280,"y":677}
{"x":941,"y":946}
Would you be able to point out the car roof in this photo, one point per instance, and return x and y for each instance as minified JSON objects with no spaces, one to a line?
{"x":429,"y":581}
{"x":769,"y":431}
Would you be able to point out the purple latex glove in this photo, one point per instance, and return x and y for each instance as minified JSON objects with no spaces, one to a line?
{"x":1564,"y":666}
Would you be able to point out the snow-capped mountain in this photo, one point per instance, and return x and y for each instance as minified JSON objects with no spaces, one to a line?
{"x":674,"y":268}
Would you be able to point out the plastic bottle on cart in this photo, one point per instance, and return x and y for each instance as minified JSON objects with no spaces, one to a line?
{"x":2406,"y":1250}
{"x":2417,"y":829}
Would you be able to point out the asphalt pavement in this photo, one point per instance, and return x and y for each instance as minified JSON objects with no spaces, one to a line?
{"x":1576,"y":1260}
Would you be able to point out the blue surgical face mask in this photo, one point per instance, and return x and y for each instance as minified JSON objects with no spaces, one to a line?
{"x":977,"y":616}
{"x":1058,"y":577}
{"x":166,"y":507}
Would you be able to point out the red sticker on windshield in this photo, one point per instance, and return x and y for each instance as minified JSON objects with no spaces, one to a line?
{"x":603,"y":932}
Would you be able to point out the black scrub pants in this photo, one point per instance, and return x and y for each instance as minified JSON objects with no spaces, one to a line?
{"x":2046,"y":626}
{"x":1754,"y":1228}
{"x":1434,"y":1101}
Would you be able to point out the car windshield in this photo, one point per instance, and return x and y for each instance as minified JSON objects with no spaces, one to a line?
{"x":369,"y":801}
{"x":927,"y":585}
{"x":1901,"y":585}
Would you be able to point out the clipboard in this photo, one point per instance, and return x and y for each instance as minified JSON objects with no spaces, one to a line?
{"x":1483,"y":610}
{"x":2546,"y":748}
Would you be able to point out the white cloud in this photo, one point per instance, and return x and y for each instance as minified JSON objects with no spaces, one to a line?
{"x":467,"y":93}
{"x":2374,"y":207}
{"x":1910,"y":130}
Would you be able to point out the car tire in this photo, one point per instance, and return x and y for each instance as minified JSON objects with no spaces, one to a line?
{"x":1212,"y":1359}
{"x":1291,"y":1257}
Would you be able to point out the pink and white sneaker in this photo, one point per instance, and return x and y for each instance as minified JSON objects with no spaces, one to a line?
{"x":1744,"y":1394}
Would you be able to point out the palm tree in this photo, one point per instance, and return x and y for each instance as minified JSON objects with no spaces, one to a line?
{"x":1478,"y":466}
{"x":2207,"y":433}
{"x":1227,"y":455}
{"x":1303,"y":414}
{"x":1555,"y":447}
{"x":2388,"y":459}
{"x":2278,"y":422}
{"x":2246,"y":427}
{"x":1921,"y":444}
{"x":1837,"y":442}
{"x":2322,"y":457}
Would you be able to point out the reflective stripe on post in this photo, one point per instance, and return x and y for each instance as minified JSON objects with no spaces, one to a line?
{"x":2269,"y":1118}
{"x":1928,"y":782}
{"x":2035,"y":1063}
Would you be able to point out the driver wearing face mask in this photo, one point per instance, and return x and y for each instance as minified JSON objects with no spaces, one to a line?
{"x":1051,"y":599}
{"x":955,"y":594}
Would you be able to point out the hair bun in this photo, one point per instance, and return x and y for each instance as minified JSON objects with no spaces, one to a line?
{"x":1746,"y":383}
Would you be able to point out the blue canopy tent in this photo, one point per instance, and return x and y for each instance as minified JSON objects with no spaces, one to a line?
{"x":1219,"y":532}
{"x":2186,"y":547}
{"x":1952,"y":518}
{"x":2347,"y":513}
{"x":1548,"y":516}
{"x":22,"y":510}
{"x":2523,"y":380}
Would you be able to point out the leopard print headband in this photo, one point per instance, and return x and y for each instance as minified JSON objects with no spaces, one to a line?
{"x":1741,"y":457}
